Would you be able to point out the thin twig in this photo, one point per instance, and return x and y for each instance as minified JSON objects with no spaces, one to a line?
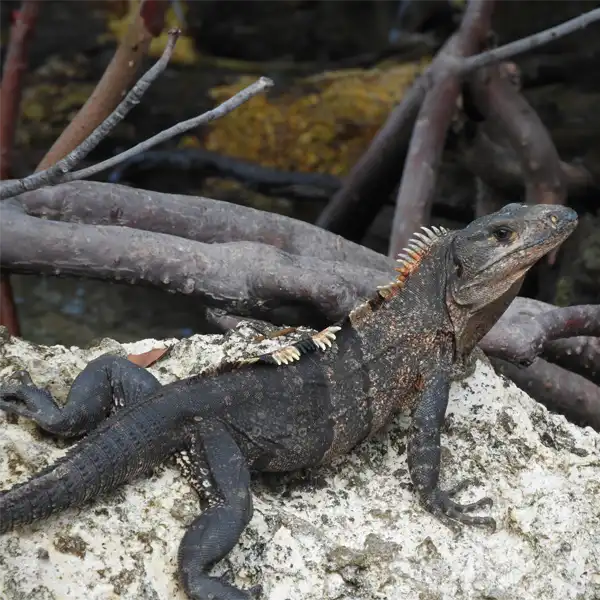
{"x":55,"y":173}
{"x":501,"y":53}
{"x":216,"y":113}
{"x":147,"y":22}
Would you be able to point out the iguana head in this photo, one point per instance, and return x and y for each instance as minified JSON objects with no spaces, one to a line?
{"x":487,"y":260}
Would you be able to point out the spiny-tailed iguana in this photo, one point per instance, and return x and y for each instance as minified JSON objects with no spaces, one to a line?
{"x":398,"y":350}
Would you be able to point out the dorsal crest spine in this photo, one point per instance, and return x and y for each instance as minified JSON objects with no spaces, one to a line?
{"x":410,"y":258}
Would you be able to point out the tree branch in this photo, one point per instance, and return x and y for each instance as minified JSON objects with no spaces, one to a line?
{"x":15,"y":64}
{"x":372,"y":179}
{"x":497,"y":55}
{"x":415,"y":197}
{"x":118,"y":77}
{"x":244,"y":278}
{"x":194,"y":218}
{"x":56,"y":172}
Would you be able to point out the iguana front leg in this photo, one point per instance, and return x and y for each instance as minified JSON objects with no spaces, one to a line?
{"x":424,"y":454}
{"x":106,"y":384}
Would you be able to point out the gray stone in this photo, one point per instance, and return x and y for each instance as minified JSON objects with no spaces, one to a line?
{"x":350,"y":531}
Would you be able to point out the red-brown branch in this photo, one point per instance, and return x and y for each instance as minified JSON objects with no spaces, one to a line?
{"x":116,"y":80}
{"x":367,"y":187}
{"x":15,"y":66}
{"x":413,"y":203}
{"x":502,"y":104}
{"x":495,"y":162}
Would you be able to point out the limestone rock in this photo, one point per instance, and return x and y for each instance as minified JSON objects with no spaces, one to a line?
{"x":350,"y":531}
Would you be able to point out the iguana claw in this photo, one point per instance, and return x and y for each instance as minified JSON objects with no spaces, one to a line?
{"x":441,"y":505}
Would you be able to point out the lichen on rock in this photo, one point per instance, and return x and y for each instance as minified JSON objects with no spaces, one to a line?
{"x":349,"y":531}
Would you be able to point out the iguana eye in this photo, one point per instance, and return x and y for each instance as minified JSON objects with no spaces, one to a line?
{"x":502,"y":234}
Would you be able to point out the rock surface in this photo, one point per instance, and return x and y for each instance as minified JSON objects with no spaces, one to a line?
{"x":351,"y":531}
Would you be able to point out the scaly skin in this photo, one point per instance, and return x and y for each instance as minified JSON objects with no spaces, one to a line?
{"x":280,"y":412}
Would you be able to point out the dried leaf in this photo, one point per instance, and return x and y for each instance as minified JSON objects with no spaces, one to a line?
{"x":147,"y":359}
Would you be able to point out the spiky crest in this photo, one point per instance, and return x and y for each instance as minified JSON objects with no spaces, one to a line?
{"x":410,"y":258}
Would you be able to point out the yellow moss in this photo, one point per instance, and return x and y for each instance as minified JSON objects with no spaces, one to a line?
{"x":321,"y":123}
{"x":185,"y":52}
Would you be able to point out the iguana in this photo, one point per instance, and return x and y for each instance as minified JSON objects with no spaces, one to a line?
{"x":399,"y":349}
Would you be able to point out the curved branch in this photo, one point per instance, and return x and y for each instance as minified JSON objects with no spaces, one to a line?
{"x":578,"y":354}
{"x":193,"y":218}
{"x":119,"y":75}
{"x":244,"y":278}
{"x":525,"y":330}
{"x":496,"y":163}
{"x":502,"y":104}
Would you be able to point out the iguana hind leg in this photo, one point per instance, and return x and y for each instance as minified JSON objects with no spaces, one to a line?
{"x":106,"y":384}
{"x":217,"y":470}
{"x":424,"y":452}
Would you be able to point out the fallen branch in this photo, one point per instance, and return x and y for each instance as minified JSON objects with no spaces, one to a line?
{"x":203,"y":163}
{"x":56,"y":172}
{"x":146,"y":23}
{"x":200,"y":219}
{"x":244,"y":278}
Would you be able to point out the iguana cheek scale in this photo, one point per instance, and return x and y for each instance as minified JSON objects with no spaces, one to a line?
{"x":299,"y":406}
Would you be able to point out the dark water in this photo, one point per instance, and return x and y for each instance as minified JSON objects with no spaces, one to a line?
{"x":77,"y":312}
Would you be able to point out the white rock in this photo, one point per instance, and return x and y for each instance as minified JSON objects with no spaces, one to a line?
{"x":352,"y":531}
